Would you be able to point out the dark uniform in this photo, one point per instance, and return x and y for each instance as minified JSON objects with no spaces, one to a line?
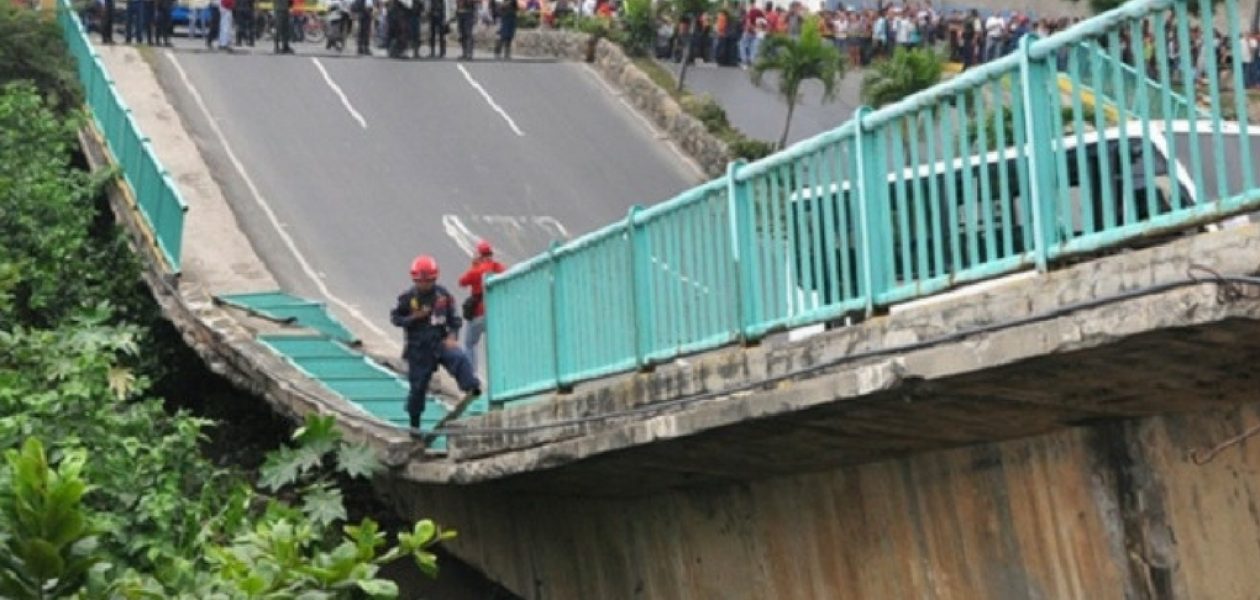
{"x":465,"y":18}
{"x":437,"y":28}
{"x":284,"y":27}
{"x":162,"y":24}
{"x":148,"y":11}
{"x":507,"y":29}
{"x":107,"y":21}
{"x":245,"y":23}
{"x":429,"y":318}
{"x":363,"y":12}
{"x":413,"y":27}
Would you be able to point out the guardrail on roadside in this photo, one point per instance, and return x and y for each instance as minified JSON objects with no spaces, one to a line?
{"x":996,"y":170}
{"x":155,"y":194}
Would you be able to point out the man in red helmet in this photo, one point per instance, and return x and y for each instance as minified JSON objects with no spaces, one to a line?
{"x":427,"y":314}
{"x":473,"y":279}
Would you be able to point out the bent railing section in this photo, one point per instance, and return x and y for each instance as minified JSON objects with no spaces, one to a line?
{"x":154,"y":192}
{"x":1000,"y":169}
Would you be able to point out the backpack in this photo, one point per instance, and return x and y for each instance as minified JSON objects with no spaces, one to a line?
{"x":469,"y":308}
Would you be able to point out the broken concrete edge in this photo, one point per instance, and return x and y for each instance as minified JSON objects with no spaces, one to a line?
{"x":228,"y":348}
{"x":1230,"y":251}
{"x":1183,"y":307}
{"x":616,"y":69}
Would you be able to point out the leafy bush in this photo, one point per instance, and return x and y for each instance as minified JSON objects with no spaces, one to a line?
{"x":47,"y":543}
{"x":172,"y":525}
{"x":904,"y":73}
{"x":32,"y":49}
{"x":640,"y":34}
{"x":705,"y":108}
{"x":44,"y":225}
{"x":750,"y":149}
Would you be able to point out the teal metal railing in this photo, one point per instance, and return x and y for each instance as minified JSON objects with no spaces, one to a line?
{"x":155,"y":193}
{"x":1000,"y":169}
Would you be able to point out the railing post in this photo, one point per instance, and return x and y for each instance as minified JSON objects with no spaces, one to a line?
{"x":557,"y":311}
{"x":743,"y":242}
{"x":872,"y":184}
{"x":1034,"y":77}
{"x":641,"y":286}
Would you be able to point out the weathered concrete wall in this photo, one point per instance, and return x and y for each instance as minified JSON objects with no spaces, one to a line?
{"x":1110,"y":510}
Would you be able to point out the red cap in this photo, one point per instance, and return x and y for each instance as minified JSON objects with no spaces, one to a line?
{"x":484,"y":248}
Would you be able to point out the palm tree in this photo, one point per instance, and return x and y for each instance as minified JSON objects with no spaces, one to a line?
{"x":905,"y":73}
{"x":796,"y":60}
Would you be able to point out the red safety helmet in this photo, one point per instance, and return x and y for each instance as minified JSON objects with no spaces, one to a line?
{"x":484,"y":248}
{"x":424,"y":267}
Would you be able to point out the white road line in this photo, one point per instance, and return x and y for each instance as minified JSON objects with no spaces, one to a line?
{"x":266,"y":208}
{"x":340,"y":94}
{"x":489,"y":100}
{"x":460,"y":234}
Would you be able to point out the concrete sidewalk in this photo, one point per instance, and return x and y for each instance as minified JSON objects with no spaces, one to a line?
{"x":216,"y":254}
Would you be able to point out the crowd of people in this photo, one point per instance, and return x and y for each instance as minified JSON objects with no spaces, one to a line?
{"x":397,"y":25}
{"x":732,"y":35}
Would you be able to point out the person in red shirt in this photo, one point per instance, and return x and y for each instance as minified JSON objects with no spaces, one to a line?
{"x":748,"y":43}
{"x":475,"y":306}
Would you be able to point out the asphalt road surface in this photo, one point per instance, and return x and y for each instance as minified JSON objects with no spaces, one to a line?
{"x":759,"y":112}
{"x":366,"y":162}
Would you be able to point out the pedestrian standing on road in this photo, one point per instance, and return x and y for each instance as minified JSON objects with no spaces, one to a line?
{"x":395,"y":25}
{"x":107,"y":21}
{"x":147,"y":13}
{"x":413,"y":26}
{"x":465,"y":18}
{"x":1251,"y":60}
{"x":225,"y":24}
{"x":362,"y":10}
{"x":162,"y":22}
{"x":507,"y":29}
{"x":197,"y":18}
{"x":131,"y":28}
{"x":212,"y":33}
{"x":437,"y":28}
{"x":748,"y":42}
{"x":244,"y":20}
{"x":426,"y":313}
{"x":475,"y":307}
{"x":283,"y":27}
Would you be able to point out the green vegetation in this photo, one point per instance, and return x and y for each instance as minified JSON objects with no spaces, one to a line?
{"x":105,"y":491}
{"x":798,"y":59}
{"x":709,"y":112}
{"x":904,"y":73}
{"x":638,"y":23}
{"x":31,"y":49}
